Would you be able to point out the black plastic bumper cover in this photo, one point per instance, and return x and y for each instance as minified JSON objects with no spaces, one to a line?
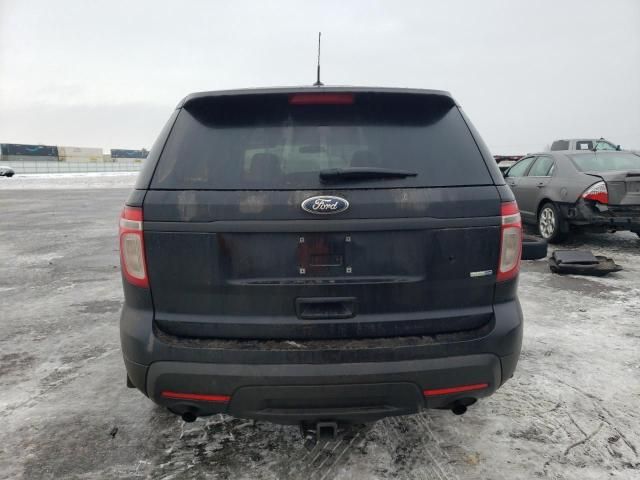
{"x":351,"y":383}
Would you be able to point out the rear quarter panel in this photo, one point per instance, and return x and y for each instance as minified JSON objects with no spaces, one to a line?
{"x":567,"y":184}
{"x":575,"y":182}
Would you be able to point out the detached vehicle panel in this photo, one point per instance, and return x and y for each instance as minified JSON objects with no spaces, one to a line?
{"x":599,"y":191}
{"x":332,"y":254}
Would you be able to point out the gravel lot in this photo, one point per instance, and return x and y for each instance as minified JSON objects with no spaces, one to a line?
{"x":571,"y":411}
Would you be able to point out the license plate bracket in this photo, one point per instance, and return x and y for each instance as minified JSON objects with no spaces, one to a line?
{"x":324,"y":254}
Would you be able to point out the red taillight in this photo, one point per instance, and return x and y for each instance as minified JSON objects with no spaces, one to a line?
{"x":597,"y":192}
{"x":132,"y":258}
{"x":448,"y":391}
{"x":199,"y":397}
{"x":510,"y":242}
{"x":321,"y":99}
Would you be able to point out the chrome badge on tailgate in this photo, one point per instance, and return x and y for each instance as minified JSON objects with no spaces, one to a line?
{"x":324,"y":205}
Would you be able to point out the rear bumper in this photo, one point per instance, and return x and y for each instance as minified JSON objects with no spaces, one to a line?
{"x":601,"y":216}
{"x":356,"y":381}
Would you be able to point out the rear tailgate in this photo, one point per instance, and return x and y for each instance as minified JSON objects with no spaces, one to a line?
{"x":372,"y":273}
{"x":231,"y":253}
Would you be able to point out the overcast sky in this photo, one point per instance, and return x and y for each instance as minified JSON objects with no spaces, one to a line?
{"x":108,"y":73}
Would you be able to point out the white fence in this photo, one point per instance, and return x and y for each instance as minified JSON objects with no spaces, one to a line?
{"x":21,"y":166}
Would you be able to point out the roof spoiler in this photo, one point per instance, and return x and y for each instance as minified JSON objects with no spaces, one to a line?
{"x":194,"y":97}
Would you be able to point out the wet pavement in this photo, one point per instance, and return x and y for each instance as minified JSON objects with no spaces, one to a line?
{"x":569,"y":412}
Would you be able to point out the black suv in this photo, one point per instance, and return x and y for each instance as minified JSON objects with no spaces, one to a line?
{"x":319,"y":255}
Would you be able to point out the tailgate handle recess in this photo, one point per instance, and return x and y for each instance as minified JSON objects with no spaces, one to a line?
{"x":326,"y":308}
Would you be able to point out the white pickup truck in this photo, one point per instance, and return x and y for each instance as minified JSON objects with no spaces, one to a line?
{"x":584,"y":144}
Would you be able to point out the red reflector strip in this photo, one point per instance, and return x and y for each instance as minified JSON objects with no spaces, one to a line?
{"x":321,"y":99}
{"x":200,"y":397}
{"x":450,"y":390}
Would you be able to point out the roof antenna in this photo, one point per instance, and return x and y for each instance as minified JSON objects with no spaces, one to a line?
{"x":318,"y":82}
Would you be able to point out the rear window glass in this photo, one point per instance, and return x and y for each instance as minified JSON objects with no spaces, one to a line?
{"x":560,"y":145}
{"x":584,"y":145}
{"x":264,"y":142}
{"x":606,"y":161}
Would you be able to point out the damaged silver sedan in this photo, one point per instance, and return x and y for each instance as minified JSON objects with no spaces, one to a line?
{"x":561,"y":191}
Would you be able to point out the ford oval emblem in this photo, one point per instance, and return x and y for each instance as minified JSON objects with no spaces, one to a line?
{"x":324,"y":205}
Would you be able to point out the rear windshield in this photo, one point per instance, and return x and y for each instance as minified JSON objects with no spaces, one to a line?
{"x":265,"y":142}
{"x":606,"y":161}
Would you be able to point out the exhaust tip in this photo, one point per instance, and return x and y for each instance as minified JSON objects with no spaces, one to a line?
{"x":459,"y":407}
{"x":189,"y":417}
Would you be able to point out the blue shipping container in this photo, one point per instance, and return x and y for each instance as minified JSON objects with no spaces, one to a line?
{"x":120,"y":153}
{"x":28,"y":150}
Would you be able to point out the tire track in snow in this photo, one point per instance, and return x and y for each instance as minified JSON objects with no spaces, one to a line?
{"x":402,"y":444}
{"x":323,"y":460}
{"x":409,"y":439}
{"x":336,"y":463}
{"x":607,"y":416}
{"x":323,"y":457}
{"x":434,"y":446}
{"x":298,"y":468}
{"x":438,"y":456}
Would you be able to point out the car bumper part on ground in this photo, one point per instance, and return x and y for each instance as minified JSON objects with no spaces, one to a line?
{"x":356,"y":381}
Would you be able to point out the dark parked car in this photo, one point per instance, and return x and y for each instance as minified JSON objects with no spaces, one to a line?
{"x":6,"y":171}
{"x":315,"y":255}
{"x":599,"y":191}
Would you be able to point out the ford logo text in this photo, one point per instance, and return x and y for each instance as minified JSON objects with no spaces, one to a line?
{"x":324,"y":205}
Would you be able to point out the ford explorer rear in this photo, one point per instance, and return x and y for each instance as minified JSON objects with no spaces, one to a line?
{"x":311,"y":255}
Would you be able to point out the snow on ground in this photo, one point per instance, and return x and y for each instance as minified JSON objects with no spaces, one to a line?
{"x":570,"y":412}
{"x":66,"y":181}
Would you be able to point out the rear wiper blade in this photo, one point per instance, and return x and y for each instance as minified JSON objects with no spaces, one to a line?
{"x":363,"y":173}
